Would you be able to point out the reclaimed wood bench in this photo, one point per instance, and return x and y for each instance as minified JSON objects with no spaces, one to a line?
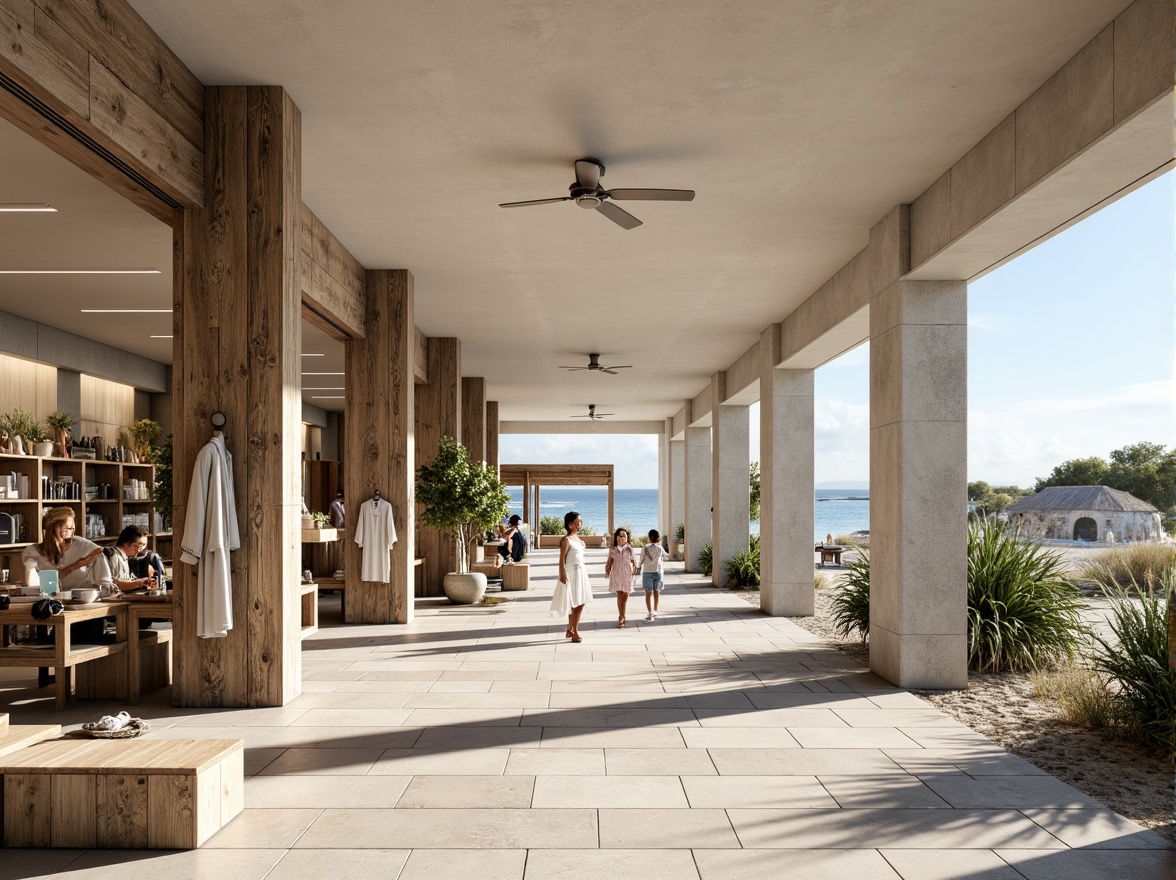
{"x":121,"y":794}
{"x":516,"y":576}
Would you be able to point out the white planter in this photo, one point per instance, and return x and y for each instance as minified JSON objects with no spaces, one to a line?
{"x":43,"y":448}
{"x":464,"y":589}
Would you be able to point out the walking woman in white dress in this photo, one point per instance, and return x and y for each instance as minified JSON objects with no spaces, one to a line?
{"x":574,"y":590}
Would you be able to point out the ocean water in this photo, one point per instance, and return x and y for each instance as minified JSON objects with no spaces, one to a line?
{"x":837,"y":511}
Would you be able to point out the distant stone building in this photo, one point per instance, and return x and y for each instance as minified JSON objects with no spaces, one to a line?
{"x":1085,"y":513}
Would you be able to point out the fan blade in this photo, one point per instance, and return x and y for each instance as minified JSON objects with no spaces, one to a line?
{"x":618,"y":215}
{"x":618,"y":367}
{"x":534,"y":202}
{"x":573,"y":369}
{"x":588,"y":173}
{"x":607,"y":370}
{"x":652,"y":195}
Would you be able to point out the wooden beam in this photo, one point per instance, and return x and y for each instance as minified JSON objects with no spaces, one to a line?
{"x":438,"y":414}
{"x":333,"y":281}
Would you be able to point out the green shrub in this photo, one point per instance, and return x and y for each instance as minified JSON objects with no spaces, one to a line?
{"x":853,"y":540}
{"x":706,"y":558}
{"x":743,"y":569}
{"x":22,"y":423}
{"x":1140,"y":563}
{"x":1022,"y":612}
{"x":850,"y":604}
{"x":680,"y":533}
{"x":819,"y":581}
{"x":1082,"y":696}
{"x":1136,"y":662}
{"x":551,"y":525}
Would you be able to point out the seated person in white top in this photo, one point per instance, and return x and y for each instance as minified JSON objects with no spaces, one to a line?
{"x":131,"y":542}
{"x":78,"y":562}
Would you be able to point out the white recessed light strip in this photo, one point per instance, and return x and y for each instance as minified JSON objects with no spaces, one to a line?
{"x":326,"y":397}
{"x":324,"y":374}
{"x":161,"y":337}
{"x":80,"y":272}
{"x":31,"y":208}
{"x":311,"y":354}
{"x":304,"y":388}
{"x":126,"y":311}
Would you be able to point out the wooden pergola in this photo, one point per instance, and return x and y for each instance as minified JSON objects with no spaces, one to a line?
{"x":532,"y":476}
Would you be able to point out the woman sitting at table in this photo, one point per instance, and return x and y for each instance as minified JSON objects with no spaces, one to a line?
{"x":78,"y":562}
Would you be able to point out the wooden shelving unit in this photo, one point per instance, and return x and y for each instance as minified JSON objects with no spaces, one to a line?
{"x":84,"y":474}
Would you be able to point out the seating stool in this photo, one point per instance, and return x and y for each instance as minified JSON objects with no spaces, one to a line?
{"x":490,"y":569}
{"x":516,"y":576}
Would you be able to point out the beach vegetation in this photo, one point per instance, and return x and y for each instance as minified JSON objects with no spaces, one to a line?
{"x":743,"y":569}
{"x":754,"y":505}
{"x":1146,"y":470}
{"x":849,"y":606}
{"x":993,"y":499}
{"x":820,"y":582}
{"x":679,"y":533}
{"x":551,"y":525}
{"x":1136,"y":661}
{"x":1081,"y":695}
{"x":706,"y":558}
{"x":1022,"y":611}
{"x":1142,"y":563}
{"x":860,"y":540}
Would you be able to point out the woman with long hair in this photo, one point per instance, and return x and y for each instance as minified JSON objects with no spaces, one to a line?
{"x":77,"y":561}
{"x":574,"y":590}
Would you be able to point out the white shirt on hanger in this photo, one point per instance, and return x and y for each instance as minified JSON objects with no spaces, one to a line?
{"x":210,"y":533}
{"x":376,"y":534}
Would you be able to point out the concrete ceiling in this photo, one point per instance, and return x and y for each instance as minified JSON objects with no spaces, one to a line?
{"x":798,"y":123}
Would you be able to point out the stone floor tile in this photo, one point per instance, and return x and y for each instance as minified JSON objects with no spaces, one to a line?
{"x":315,"y":864}
{"x":323,"y":762}
{"x":1092,"y":864}
{"x":771,"y":698}
{"x":949,"y":864}
{"x":975,"y":761}
{"x":787,"y":718}
{"x":459,"y":687}
{"x":257,"y":760}
{"x":756,"y":792}
{"x":582,"y":700}
{"x":484,"y":864}
{"x":826,"y":864}
{"x":468,"y":717}
{"x":666,"y":829}
{"x":884,"y":792}
{"x":648,"y":864}
{"x":611,"y":737}
{"x":628,"y":686}
{"x":263,"y":828}
{"x":483,"y":701}
{"x":196,"y":864}
{"x":353,"y":718}
{"x":803,"y":762}
{"x":925,"y":717}
{"x":556,"y":762}
{"x":350,"y":700}
{"x":609,"y":716}
{"x":35,"y":864}
{"x":944,"y":738}
{"x":472,"y":737}
{"x":377,"y":792}
{"x":1096,"y":828}
{"x":738,"y":738}
{"x":658,"y":762}
{"x":1009,"y":792}
{"x":719,"y":700}
{"x":516,"y":687}
{"x":621,"y":792}
{"x":877,"y":829}
{"x":441,"y":762}
{"x":452,"y":829}
{"x":450,"y":791}
{"x":850,"y":738}
{"x":391,"y":686}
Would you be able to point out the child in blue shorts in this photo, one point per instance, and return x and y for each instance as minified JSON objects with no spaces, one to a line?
{"x":652,"y":570}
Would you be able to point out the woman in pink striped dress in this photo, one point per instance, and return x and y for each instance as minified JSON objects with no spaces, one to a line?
{"x":620,"y":568}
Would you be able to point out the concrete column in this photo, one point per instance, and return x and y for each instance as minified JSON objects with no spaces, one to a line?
{"x":473,"y":417}
{"x":492,"y":435}
{"x":730,"y":464}
{"x":438,"y":414}
{"x":918,"y":484}
{"x":69,"y":396}
{"x":379,"y":443}
{"x":786,"y":491}
{"x":677,"y":490}
{"x":698,"y":493}
{"x":238,"y":336}
{"x":663,"y":479}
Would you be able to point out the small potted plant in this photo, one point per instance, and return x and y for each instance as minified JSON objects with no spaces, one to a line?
{"x":461,"y":498}
{"x":23,"y":431}
{"x":144,"y":432}
{"x":321,"y":520}
{"x":680,"y":540}
{"x":60,"y":422}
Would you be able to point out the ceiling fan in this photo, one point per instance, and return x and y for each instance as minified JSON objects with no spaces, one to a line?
{"x":592,"y":414}
{"x":595,"y":366}
{"x":588,"y":193}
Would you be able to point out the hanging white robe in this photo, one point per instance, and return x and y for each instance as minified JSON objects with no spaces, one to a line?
{"x":376,"y":533}
{"x":210,"y":533}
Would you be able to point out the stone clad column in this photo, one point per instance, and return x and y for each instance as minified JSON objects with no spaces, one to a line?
{"x":492,"y":435}
{"x":730,"y":430}
{"x":237,"y":349}
{"x":698,"y":493}
{"x":677,"y":490}
{"x":473,"y":417}
{"x":786,"y":491}
{"x":918,"y":484}
{"x":438,"y":414}
{"x":664,"y":489}
{"x":378,"y":437}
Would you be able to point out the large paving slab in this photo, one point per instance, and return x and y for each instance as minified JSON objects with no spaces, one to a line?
{"x":712,"y":743}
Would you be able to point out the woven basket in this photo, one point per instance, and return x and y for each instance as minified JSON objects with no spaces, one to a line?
{"x":136,"y":727}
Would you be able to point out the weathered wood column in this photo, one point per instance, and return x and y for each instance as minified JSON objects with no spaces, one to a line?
{"x":473,"y":416}
{"x":492,"y":435}
{"x":379,"y":443}
{"x":438,"y":414}
{"x":237,"y":346}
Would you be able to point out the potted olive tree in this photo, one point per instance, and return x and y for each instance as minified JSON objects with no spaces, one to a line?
{"x":461,"y":498}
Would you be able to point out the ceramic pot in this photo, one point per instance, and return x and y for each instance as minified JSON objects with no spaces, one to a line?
{"x":464,"y":589}
{"x":43,"y":448}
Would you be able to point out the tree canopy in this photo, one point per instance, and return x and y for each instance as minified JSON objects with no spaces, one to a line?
{"x":1146,"y":470}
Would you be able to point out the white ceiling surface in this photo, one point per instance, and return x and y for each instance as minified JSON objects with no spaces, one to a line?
{"x":799,"y":124}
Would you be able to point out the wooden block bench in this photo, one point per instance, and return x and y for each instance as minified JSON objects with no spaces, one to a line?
{"x":516,"y":576}
{"x":490,"y":569}
{"x":122,"y":794}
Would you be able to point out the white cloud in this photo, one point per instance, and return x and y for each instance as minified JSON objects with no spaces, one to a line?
{"x":977,"y":321}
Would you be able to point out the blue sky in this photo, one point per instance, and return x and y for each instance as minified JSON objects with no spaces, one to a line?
{"x":1070,"y":354}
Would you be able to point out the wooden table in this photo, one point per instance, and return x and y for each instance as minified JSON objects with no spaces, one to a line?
{"x":829,"y":553}
{"x":138,"y":609}
{"x":64,"y":655}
